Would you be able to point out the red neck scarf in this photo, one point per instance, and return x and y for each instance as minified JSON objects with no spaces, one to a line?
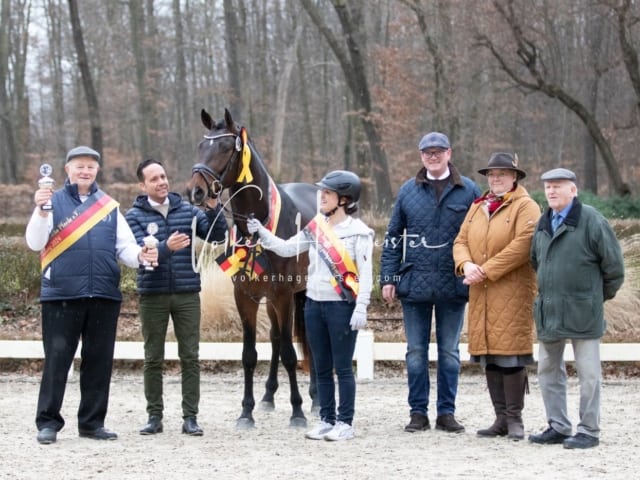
{"x":494,"y":201}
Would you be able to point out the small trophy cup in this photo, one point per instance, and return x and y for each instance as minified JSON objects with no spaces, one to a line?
{"x":46,"y":182}
{"x":150,"y":241}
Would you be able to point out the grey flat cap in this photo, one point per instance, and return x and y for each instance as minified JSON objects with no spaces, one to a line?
{"x":434,"y":140}
{"x":83,"y":151}
{"x":559,"y":174}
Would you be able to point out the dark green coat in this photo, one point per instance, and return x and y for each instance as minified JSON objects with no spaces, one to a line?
{"x":578,"y":268}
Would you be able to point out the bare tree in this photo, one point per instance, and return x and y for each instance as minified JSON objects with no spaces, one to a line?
{"x":7,"y":133}
{"x":87,"y":81}
{"x":442,"y":81}
{"x":351,"y":56}
{"x":136,"y":13}
{"x":527,"y":69}
{"x":235,"y":42}
{"x":628,"y":16}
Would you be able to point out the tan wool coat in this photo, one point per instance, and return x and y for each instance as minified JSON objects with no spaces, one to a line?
{"x":500,"y":320}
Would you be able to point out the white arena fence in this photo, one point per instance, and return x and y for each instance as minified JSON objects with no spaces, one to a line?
{"x":367,"y":351}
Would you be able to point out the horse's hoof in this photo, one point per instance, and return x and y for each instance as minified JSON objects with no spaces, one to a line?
{"x":298,"y":422}
{"x":244,"y":423}
{"x":266,"y":406}
{"x":315,"y":409}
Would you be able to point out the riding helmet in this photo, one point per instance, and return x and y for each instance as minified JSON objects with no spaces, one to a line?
{"x":343,"y":182}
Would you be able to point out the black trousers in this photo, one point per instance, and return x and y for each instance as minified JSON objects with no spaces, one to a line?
{"x":64,"y":323}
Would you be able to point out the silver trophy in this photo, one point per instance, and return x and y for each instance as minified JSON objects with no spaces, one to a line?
{"x":150,"y":242}
{"x":46,"y":182}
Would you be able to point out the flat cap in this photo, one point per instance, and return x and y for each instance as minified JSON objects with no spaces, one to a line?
{"x":434,"y":140}
{"x":83,"y":151}
{"x":559,"y":174}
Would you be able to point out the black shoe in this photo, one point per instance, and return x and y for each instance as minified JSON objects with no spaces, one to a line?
{"x":581,"y":440}
{"x":191,"y":427}
{"x":153,"y":426}
{"x":548,"y":437}
{"x":98,"y":434}
{"x":47,"y":436}
{"x":448,"y":423}
{"x":418,"y":423}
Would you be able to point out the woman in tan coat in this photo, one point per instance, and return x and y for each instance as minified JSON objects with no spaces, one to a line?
{"x":492,"y":252}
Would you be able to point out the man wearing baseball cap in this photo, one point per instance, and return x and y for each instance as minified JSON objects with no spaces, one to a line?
{"x":82,"y":238}
{"x":417,"y":267}
{"x":579,"y":265}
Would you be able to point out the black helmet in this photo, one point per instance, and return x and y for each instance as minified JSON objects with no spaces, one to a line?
{"x":344,"y":183}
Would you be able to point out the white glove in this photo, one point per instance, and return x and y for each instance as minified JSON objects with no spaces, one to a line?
{"x":359,"y":317}
{"x":253,"y":225}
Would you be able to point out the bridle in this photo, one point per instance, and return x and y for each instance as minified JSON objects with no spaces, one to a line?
{"x":214,"y":181}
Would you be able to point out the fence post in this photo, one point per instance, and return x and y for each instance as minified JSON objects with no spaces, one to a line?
{"x":364,"y":355}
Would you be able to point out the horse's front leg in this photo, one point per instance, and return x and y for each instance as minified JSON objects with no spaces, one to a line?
{"x":248,"y":311}
{"x":267,"y":403}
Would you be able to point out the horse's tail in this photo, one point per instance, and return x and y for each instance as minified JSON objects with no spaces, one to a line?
{"x":300,"y":330}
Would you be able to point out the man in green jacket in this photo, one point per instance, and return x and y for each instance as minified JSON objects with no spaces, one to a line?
{"x":579,"y":266}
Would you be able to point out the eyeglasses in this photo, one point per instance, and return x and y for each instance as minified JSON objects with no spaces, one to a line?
{"x":433,"y":153}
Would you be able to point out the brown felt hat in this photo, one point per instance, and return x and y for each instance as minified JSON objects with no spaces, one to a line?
{"x":503,"y":161}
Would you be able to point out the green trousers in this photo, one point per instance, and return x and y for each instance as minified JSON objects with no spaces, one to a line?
{"x":184,"y":310}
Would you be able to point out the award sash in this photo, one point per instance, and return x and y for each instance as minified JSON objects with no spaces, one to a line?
{"x":69,"y":230}
{"x":248,"y":258}
{"x":344,"y":272}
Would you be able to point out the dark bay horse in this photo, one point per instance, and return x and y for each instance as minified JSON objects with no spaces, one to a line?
{"x":229,"y":161}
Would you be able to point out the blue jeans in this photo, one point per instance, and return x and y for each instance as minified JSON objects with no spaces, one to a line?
{"x":332,"y":344}
{"x":417,"y":327}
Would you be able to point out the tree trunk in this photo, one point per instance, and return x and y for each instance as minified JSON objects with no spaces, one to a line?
{"x":181,"y":91}
{"x":281,"y":103}
{"x":354,"y":69}
{"x":54,"y":34}
{"x":87,"y":81}
{"x":137,"y":46}
{"x":234,"y":41}
{"x":7,"y":133}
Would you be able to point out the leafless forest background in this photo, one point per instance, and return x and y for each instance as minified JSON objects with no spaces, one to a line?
{"x":324,"y":84}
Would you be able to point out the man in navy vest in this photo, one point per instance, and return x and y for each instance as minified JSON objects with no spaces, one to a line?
{"x":81,"y":239}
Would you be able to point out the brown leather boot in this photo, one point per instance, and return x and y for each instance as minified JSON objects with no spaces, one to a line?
{"x":515,"y":385}
{"x":496,"y":392}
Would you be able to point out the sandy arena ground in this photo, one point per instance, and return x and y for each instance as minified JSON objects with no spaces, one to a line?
{"x":272,"y":450}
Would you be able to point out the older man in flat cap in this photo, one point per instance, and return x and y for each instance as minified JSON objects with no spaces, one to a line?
{"x":81,"y":240}
{"x":579,"y":266}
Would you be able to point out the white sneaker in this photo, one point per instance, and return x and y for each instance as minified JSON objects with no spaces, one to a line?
{"x":319,"y":431}
{"x":340,"y":431}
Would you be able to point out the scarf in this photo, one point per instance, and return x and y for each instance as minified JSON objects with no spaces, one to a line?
{"x":494,"y":201}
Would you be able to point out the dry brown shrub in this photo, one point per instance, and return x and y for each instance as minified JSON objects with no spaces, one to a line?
{"x":220,"y":320}
{"x":623,"y":322}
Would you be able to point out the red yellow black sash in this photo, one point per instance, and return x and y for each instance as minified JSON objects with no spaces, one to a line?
{"x":83,"y":218}
{"x":334,"y":253}
{"x":248,"y":258}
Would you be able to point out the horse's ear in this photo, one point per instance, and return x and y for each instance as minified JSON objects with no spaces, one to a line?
{"x":207,"y":121}
{"x":228,"y":120}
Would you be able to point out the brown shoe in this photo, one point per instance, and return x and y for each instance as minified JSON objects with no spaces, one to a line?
{"x":418,"y":423}
{"x":448,"y":423}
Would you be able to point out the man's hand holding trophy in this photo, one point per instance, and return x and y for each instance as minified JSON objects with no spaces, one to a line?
{"x":151,"y":243}
{"x":45,"y":185}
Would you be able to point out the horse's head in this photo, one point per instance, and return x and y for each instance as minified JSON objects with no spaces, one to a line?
{"x":219,"y":158}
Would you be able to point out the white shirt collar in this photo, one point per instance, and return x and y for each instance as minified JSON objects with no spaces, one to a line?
{"x":441,"y":177}
{"x":153,"y":203}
